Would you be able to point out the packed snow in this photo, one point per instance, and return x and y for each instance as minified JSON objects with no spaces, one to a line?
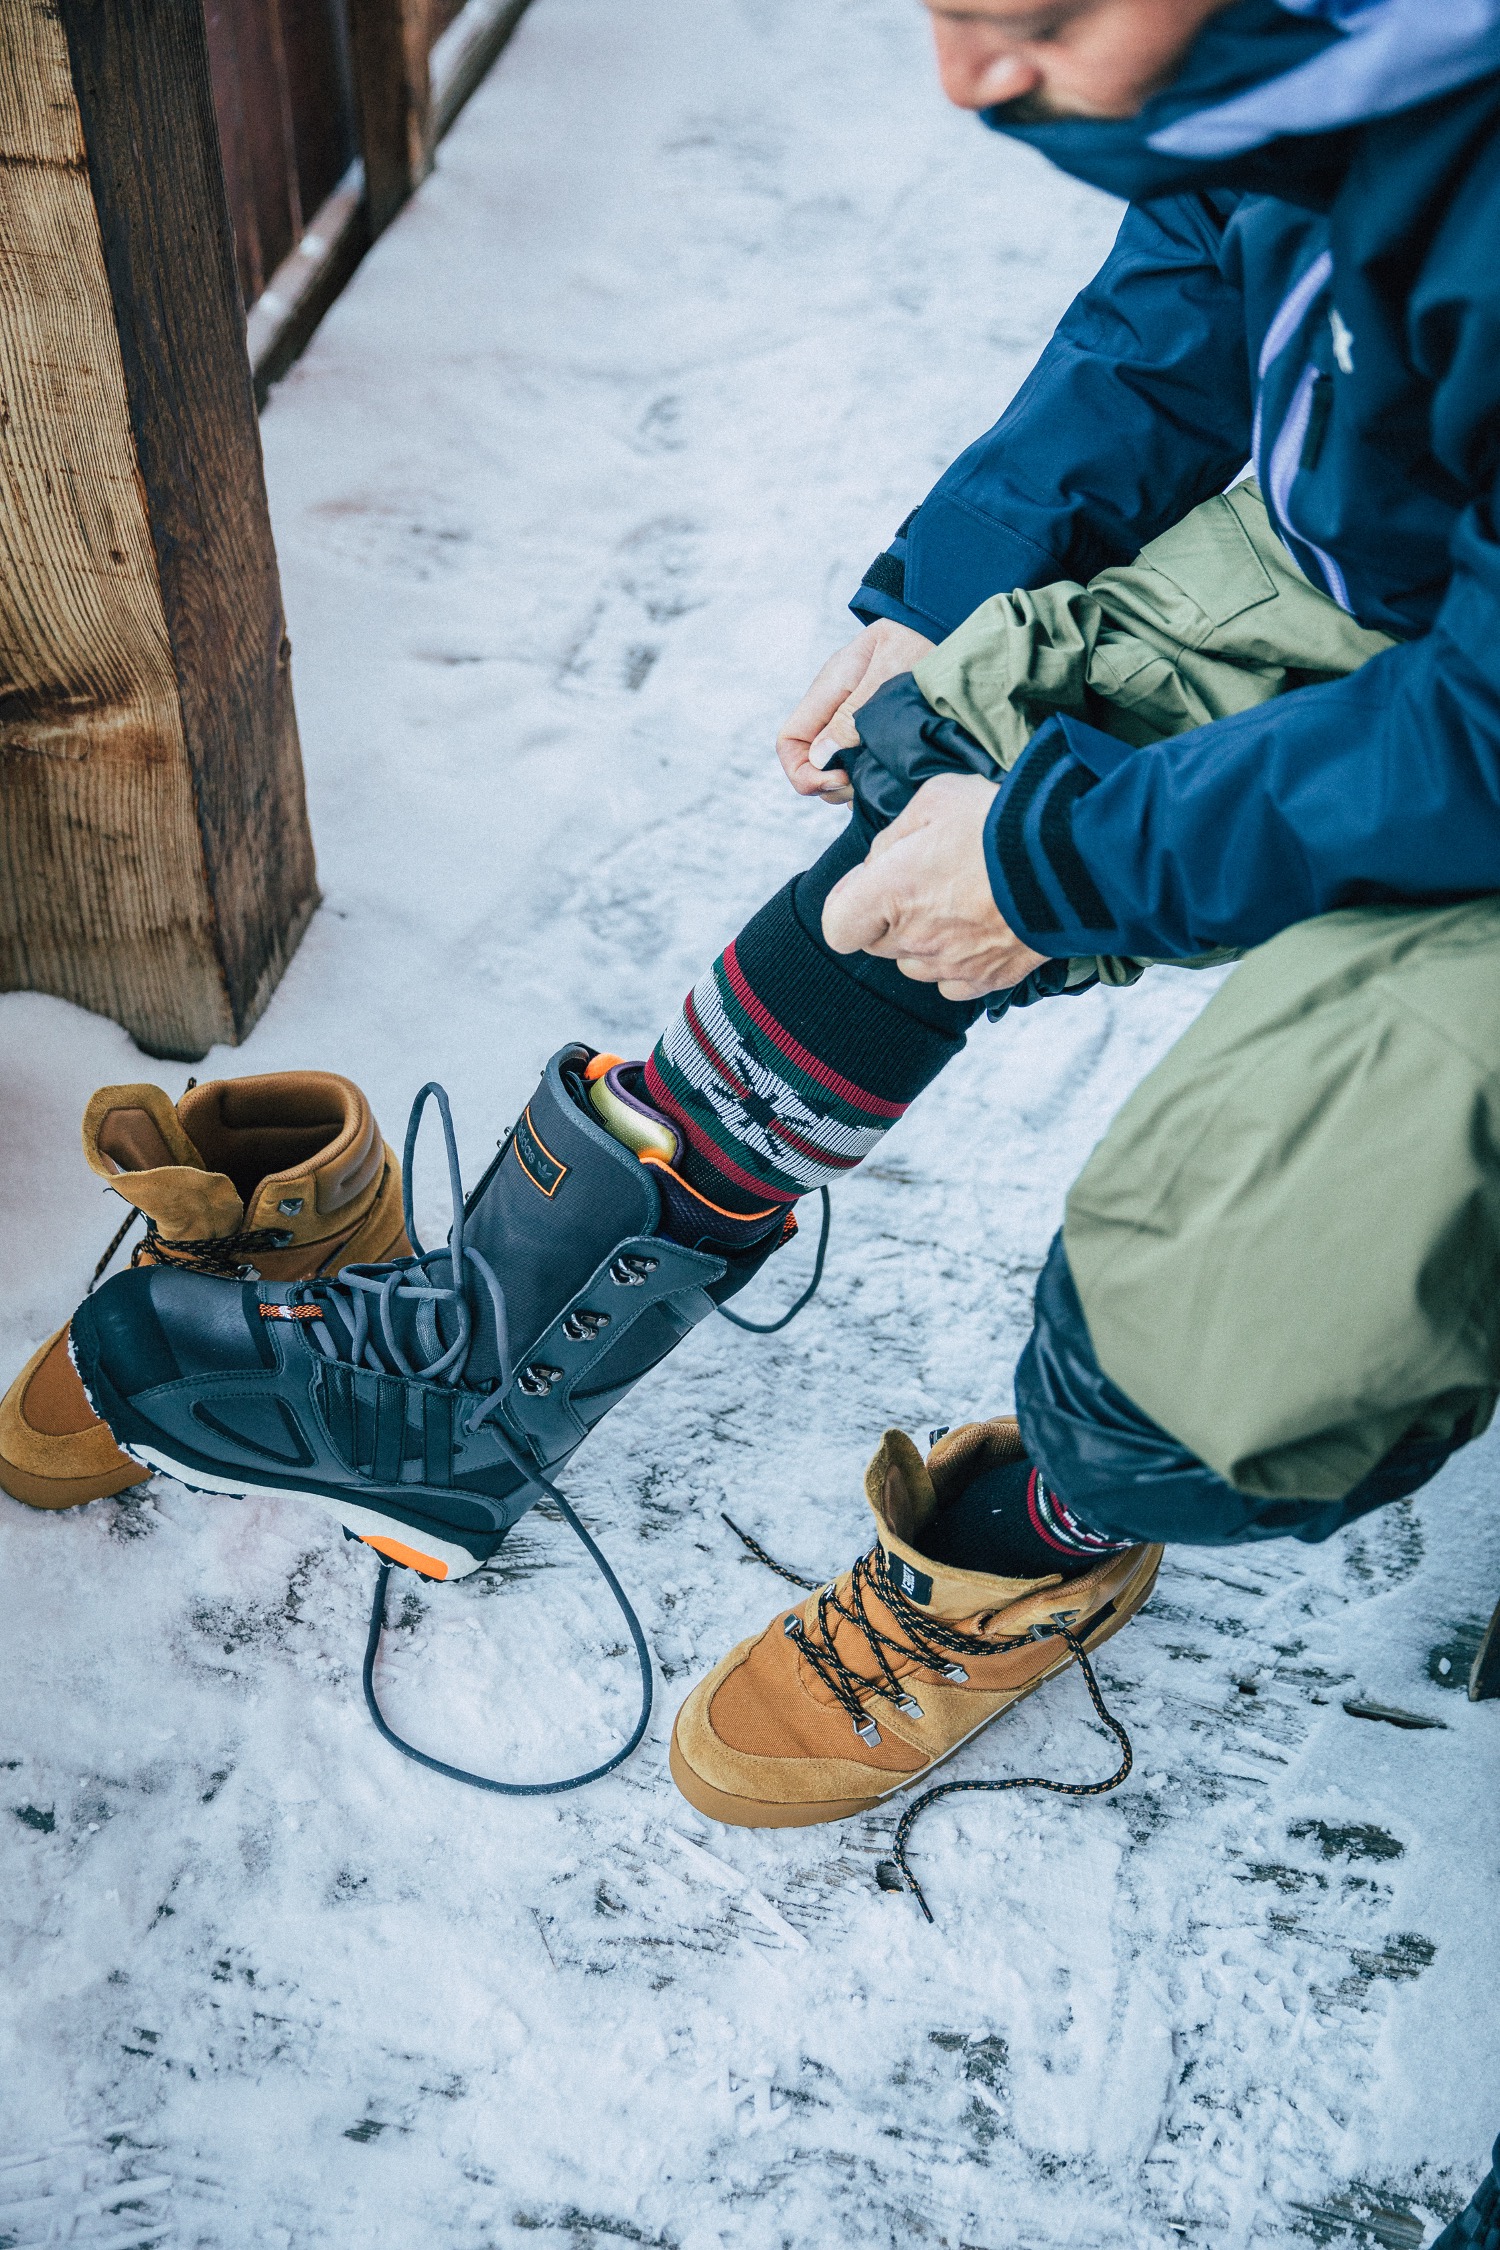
{"x":570,"y":492}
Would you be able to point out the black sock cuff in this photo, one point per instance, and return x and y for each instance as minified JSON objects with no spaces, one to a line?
{"x":851,"y":1027}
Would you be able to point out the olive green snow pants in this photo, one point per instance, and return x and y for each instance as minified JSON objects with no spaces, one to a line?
{"x":1286,"y":1247}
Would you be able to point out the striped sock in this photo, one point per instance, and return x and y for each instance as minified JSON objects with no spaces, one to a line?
{"x":1009,"y":1523}
{"x":787,"y":1066}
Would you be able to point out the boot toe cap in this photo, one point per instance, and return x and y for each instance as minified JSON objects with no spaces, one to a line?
{"x":786,"y":1786}
{"x":54,"y":1451}
{"x":157,"y":1324}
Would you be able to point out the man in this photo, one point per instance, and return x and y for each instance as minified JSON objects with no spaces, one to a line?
{"x":1103,"y":711}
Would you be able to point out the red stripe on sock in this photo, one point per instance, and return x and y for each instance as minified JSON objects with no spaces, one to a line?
{"x":780,"y":1037}
{"x":774,"y":1126}
{"x":1037,"y":1524}
{"x":707,"y":1147}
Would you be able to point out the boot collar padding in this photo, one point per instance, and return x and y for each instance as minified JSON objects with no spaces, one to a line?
{"x":294,"y":1137}
{"x":904,"y":1491}
{"x":133,"y":1138}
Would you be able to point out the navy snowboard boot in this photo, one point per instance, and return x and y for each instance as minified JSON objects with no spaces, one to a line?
{"x":419,"y":1401}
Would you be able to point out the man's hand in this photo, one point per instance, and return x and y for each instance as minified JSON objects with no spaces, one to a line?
{"x":923,"y":900}
{"x":823,"y":722}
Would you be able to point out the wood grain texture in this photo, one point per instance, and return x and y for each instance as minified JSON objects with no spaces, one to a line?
{"x":102,"y":890}
{"x":140,"y":74}
{"x":155,"y":863}
{"x":389,"y":41}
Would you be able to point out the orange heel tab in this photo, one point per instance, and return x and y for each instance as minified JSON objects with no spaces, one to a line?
{"x":599,"y":1065}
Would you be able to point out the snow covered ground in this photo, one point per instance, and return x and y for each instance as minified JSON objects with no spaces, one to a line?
{"x":570,"y":492}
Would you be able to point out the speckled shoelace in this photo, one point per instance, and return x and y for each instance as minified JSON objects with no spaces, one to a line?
{"x":934,"y":1645}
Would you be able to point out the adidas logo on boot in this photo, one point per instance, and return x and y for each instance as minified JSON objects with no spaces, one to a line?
{"x":283,"y":1175}
{"x":417,"y":1400}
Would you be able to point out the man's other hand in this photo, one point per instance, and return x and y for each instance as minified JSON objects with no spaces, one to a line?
{"x":923,"y":900}
{"x":823,"y":722}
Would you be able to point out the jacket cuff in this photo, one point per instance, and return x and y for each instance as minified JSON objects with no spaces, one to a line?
{"x":882,"y":590}
{"x":1051,"y":900}
{"x":944,"y":561}
{"x":869,"y":603}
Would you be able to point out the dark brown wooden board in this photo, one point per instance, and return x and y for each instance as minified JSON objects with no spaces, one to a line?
{"x":254,"y":107}
{"x":315,"y":38}
{"x":141,"y":77}
{"x":389,"y":43}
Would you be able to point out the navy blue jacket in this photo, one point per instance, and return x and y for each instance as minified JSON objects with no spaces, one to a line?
{"x":1324,"y":301}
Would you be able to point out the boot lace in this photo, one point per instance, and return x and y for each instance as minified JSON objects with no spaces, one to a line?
{"x":365,"y":1298}
{"x":934,"y":1646}
{"x":430,"y":1282}
{"x":225,"y":1257}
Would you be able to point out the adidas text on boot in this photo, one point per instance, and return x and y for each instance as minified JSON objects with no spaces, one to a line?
{"x":877,"y":1678}
{"x":283,"y":1175}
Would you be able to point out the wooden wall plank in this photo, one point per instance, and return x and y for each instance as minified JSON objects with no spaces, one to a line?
{"x":155,"y":862}
{"x":315,"y":38}
{"x":102,"y":891}
{"x":140,"y":75}
{"x":465,"y":51}
{"x":228,"y":71}
{"x":389,"y":42}
{"x":252,"y":98}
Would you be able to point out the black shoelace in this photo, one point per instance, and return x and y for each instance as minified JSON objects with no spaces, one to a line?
{"x":934,"y":1646}
{"x":224,"y":1257}
{"x":365,"y":1297}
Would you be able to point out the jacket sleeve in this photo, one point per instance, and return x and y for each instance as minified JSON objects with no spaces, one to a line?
{"x":1138,"y":409}
{"x":1382,"y":787}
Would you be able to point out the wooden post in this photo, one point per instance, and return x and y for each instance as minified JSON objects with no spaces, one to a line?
{"x":155,"y":860}
{"x":388,"y":47}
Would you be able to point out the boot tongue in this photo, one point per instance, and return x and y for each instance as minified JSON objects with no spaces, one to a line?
{"x":132,"y":1138}
{"x":562,"y":1195}
{"x":903,"y":1499}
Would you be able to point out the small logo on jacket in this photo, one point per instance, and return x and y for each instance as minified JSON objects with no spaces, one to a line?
{"x":536,"y":1159}
{"x":1343,"y":342}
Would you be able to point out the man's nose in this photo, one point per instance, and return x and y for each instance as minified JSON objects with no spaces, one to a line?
{"x":976,"y":70}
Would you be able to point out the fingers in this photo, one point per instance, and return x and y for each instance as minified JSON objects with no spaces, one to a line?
{"x":922,"y":897}
{"x":833,"y":785}
{"x":855,"y":913}
{"x":836,"y":681}
{"x":892,"y":650}
{"x":823,"y":723}
{"x":841,"y":733}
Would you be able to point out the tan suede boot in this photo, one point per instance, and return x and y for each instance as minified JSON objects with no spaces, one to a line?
{"x":285,"y":1175}
{"x":877,"y":1678}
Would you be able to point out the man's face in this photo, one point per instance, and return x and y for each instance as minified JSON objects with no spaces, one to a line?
{"x":1063,"y":58}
